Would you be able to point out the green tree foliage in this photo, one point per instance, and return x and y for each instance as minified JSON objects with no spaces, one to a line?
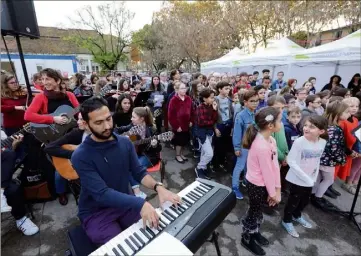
{"x":103,"y":32}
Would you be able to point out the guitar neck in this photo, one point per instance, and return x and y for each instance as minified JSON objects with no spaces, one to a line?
{"x":143,"y":141}
{"x":7,"y":143}
{"x":75,"y":110}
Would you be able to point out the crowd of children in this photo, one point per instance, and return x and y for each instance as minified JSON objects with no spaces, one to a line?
{"x":289,"y":143}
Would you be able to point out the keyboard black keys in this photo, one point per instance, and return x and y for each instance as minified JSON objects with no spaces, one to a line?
{"x":130,"y":245}
{"x":150,"y":231}
{"x":135,"y":242}
{"x":170,"y":214}
{"x":116,"y":252}
{"x":182,"y":207}
{"x":192,"y":197}
{"x":195,"y":195}
{"x":145,"y":233}
{"x":167,"y":217}
{"x":122,"y":250}
{"x":188,"y":203}
{"x":176,"y":210}
{"x":200,"y":190}
{"x":139,"y":238}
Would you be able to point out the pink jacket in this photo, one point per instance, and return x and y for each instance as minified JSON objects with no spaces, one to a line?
{"x":262,"y":164}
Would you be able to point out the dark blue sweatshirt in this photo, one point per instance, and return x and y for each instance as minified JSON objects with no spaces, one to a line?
{"x":291,"y":132}
{"x":104,"y":169}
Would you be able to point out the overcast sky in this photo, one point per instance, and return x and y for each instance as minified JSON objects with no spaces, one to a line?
{"x":55,"y":13}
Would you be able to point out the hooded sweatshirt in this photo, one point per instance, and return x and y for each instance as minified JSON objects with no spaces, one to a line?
{"x":104,"y":169}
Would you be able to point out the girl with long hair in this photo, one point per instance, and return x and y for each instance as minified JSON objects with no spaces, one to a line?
{"x":13,"y":104}
{"x":263,"y":175}
{"x":197,"y":87}
{"x":304,"y":162}
{"x":334,"y":153}
{"x":156,"y":98}
{"x":355,"y":84}
{"x":123,"y":110}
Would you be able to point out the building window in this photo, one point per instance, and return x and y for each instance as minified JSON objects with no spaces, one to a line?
{"x":338,"y":34}
{"x":95,"y":68}
{"x":39,"y":68}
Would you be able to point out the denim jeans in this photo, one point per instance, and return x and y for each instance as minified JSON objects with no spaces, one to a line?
{"x":60,"y":183}
{"x":240,"y":166}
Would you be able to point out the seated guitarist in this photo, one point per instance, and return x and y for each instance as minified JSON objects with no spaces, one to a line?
{"x":54,"y":96}
{"x":47,"y":102}
{"x":148,"y":155}
{"x":105,"y":162}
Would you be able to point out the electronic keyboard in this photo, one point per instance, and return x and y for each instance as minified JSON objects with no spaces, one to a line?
{"x":205,"y":204}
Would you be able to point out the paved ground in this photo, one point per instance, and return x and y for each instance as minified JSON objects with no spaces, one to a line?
{"x":331,"y":235}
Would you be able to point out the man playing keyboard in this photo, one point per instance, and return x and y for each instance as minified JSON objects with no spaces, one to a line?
{"x":104,"y":163}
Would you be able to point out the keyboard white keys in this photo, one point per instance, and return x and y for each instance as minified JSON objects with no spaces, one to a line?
{"x":135,"y":238}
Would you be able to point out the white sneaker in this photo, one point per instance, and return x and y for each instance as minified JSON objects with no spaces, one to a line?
{"x":141,"y":195}
{"x":4,"y":204}
{"x":26,"y":226}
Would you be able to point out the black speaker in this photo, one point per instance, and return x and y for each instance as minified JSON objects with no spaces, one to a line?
{"x":18,"y":18}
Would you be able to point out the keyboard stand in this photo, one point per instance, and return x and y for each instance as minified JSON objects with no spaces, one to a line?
{"x":214,"y":240}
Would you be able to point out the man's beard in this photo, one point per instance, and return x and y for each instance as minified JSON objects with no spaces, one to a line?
{"x":102,"y":135}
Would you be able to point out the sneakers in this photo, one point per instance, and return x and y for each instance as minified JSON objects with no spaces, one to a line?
{"x":4,"y":203}
{"x":201,"y":173}
{"x":249,"y":242}
{"x":349,"y":188}
{"x":334,"y":191}
{"x":303,"y":222}
{"x":26,"y":226}
{"x":244,"y":183}
{"x":238,"y":193}
{"x":290,"y":229}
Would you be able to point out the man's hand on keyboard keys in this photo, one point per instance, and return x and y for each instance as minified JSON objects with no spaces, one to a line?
{"x":149,"y":215}
{"x":166,"y":195}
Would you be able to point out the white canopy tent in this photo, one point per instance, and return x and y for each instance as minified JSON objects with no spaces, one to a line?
{"x":341,"y":57}
{"x":276,"y":53}
{"x":218,"y":64}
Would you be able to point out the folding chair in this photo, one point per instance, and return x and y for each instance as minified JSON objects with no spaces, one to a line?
{"x":159,"y":167}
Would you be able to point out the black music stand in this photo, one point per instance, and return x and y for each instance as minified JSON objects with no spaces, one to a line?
{"x":352,"y":215}
{"x":142,"y":98}
{"x":81,"y":99}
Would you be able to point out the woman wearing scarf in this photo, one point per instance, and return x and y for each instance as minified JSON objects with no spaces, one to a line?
{"x":47,"y":102}
{"x":54,"y":96}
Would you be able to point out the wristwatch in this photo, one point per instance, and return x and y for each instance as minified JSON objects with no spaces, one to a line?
{"x":156,"y":185}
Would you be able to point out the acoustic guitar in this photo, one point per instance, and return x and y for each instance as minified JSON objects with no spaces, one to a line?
{"x":64,"y":166}
{"x":66,"y":170}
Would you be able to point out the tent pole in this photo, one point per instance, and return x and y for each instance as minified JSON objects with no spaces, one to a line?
{"x":273,"y":72}
{"x":337,"y":67}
